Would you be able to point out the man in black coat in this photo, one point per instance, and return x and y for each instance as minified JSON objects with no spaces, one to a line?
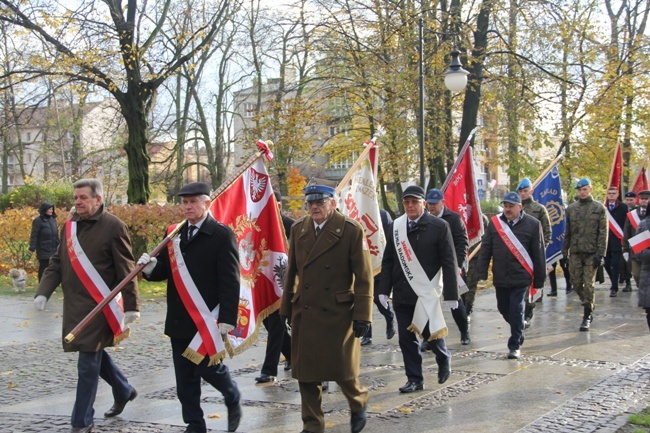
{"x":436,"y":206}
{"x":210,"y":255}
{"x":428,"y":245}
{"x":516,"y":264}
{"x":278,"y":339}
{"x":617,"y":216}
{"x":44,"y":238}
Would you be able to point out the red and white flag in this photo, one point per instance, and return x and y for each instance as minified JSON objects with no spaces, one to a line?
{"x":358,"y":200}
{"x":249,"y":208}
{"x":616,"y":174}
{"x":640,"y":242}
{"x":461,"y":195}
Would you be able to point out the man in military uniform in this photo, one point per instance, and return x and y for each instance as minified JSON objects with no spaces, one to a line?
{"x":630,"y":199}
{"x":631,"y":223}
{"x":539,"y":212}
{"x":617,"y":216}
{"x":585,"y":244}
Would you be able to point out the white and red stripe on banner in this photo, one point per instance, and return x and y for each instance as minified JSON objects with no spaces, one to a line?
{"x":249,"y":208}
{"x":640,"y":242}
{"x":614,"y":227}
{"x":634,"y":218}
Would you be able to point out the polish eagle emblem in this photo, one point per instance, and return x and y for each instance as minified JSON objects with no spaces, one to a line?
{"x":257,"y":185}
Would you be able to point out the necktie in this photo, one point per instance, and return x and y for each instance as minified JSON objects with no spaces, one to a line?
{"x":317,"y":231}
{"x":512,"y":223}
{"x":190,"y":232}
{"x":411,"y":225}
{"x":611,"y":206}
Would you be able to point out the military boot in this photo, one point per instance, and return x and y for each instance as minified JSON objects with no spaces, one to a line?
{"x":586,"y":319}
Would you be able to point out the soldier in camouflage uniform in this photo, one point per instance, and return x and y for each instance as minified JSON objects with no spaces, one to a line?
{"x":585,"y":244}
{"x":539,"y":212}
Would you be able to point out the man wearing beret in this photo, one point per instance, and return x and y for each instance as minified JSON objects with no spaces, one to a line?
{"x":419,"y":247}
{"x":585,"y":245}
{"x":328,"y":296}
{"x":617,"y":216}
{"x":515,"y":244}
{"x":539,"y":212}
{"x":634,"y":217}
{"x":201,"y":267}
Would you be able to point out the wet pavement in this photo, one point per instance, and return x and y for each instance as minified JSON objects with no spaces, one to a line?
{"x":565,"y":381}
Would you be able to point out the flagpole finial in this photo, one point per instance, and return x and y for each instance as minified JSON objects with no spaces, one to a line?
{"x":264,"y":148}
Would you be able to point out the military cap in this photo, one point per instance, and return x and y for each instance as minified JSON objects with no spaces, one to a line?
{"x":511,"y":197}
{"x":195,"y":188}
{"x":631,"y":194}
{"x":317,"y":192}
{"x":434,"y":196}
{"x":644,"y":194}
{"x":525,"y":183}
{"x":413,"y":191}
{"x":278,"y":196}
{"x":583,"y":182}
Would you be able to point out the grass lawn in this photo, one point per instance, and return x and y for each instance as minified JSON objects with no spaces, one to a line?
{"x":148,"y":290}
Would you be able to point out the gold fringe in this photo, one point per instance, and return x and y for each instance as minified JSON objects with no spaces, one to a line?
{"x":123,"y":336}
{"x":439,"y":334}
{"x":414,"y":329}
{"x":193,"y":356}
{"x":255,"y":334}
{"x":216,"y":359}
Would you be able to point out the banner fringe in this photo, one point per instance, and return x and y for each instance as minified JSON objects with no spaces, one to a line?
{"x":121,"y":337}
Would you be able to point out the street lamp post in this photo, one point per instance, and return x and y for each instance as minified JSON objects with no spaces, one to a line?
{"x":455,"y":81}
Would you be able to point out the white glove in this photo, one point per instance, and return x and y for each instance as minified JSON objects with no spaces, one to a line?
{"x":39,"y":303}
{"x":451,"y":304}
{"x":225,"y":328}
{"x":131,"y":316}
{"x":150,"y":263}
{"x":383,"y":300}
{"x":626,"y":256}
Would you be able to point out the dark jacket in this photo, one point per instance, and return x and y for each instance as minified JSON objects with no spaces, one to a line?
{"x":644,"y":257}
{"x":105,"y":240}
{"x":212,"y":259}
{"x":629,"y":231}
{"x":507,"y":272}
{"x":458,"y":233}
{"x":44,"y":238}
{"x":433,"y":245}
{"x":619,"y":214}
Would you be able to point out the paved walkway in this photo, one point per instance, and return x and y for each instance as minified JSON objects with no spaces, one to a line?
{"x":566,"y":380}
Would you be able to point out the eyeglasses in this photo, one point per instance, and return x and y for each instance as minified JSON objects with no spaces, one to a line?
{"x":319,"y":203}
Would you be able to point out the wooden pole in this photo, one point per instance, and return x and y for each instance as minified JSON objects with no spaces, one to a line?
{"x":546,"y":170}
{"x":360,"y":159}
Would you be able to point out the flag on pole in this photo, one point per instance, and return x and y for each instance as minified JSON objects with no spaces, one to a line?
{"x":358,"y":200}
{"x":640,"y":242}
{"x":548,"y":192}
{"x":249,"y":208}
{"x":616,"y":174}
{"x":461,"y":195}
{"x":641,"y":181}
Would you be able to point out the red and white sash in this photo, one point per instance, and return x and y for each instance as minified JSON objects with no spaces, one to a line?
{"x":207,"y":341}
{"x":427,"y":307}
{"x":634,"y":218}
{"x":94,"y":283}
{"x":614,"y":227}
{"x":517,"y":250}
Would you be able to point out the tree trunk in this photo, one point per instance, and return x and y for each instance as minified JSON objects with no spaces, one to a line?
{"x":135,"y":114}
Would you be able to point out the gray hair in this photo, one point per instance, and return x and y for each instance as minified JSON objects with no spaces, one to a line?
{"x":95,"y":185}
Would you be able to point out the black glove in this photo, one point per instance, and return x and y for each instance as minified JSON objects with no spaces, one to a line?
{"x":598,"y":261}
{"x":360,"y":328}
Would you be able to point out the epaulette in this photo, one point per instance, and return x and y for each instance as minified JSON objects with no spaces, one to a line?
{"x":299,"y":220}
{"x":351,"y":221}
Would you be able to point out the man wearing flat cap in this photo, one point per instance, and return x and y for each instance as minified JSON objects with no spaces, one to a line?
{"x":419,"y":267}
{"x":585,"y":245}
{"x":515,"y":244}
{"x":634,"y":217}
{"x":539,"y":212}
{"x":328,"y":297}
{"x":201,"y":267}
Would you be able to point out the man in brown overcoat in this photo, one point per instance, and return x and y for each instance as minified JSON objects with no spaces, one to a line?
{"x":328,"y":299}
{"x":94,"y":257}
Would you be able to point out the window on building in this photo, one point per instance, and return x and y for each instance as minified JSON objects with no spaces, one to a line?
{"x":345,"y":163}
{"x":28,"y":137}
{"x":333,"y":130}
{"x":249,"y":109}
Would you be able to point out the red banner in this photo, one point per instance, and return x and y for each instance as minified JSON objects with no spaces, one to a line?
{"x":617,"y":172}
{"x":640,"y":183}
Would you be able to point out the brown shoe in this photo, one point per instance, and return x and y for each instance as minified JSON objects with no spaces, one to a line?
{"x":117,"y":408}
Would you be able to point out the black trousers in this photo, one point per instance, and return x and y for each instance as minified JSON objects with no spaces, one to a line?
{"x":613,"y":267}
{"x":279,"y":341}
{"x":388,"y":315}
{"x":188,"y":384}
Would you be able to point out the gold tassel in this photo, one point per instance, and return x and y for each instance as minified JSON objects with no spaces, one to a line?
{"x":439,"y":334}
{"x":121,"y":337}
{"x":414,"y":329}
{"x":193,"y":356}
{"x":216,"y":359}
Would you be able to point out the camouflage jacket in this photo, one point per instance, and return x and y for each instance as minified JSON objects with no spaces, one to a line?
{"x":539,"y":212}
{"x":586,"y":228}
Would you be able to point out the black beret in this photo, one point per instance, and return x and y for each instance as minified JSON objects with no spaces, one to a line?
{"x":630,"y":194}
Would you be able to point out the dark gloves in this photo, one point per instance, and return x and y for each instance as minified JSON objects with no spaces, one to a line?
{"x":360,"y":328}
{"x":598,"y":261}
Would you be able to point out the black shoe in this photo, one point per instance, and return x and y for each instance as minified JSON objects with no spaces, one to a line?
{"x":552,"y":293}
{"x":390,"y":330}
{"x":117,"y":408}
{"x":444,"y":370}
{"x":366,"y":341}
{"x":287,"y":365}
{"x":586,"y":322}
{"x":612,"y":293}
{"x":526,"y":323}
{"x":514,"y":354}
{"x":411,"y":387}
{"x":464,"y":338}
{"x":540,"y":298}
{"x":264,"y":378}
{"x":569,"y":289}
{"x":424,"y":346}
{"x":234,"y":416}
{"x":358,"y":420}
{"x":191,"y":429}
{"x":627,"y":288}
{"x":86,"y":429}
